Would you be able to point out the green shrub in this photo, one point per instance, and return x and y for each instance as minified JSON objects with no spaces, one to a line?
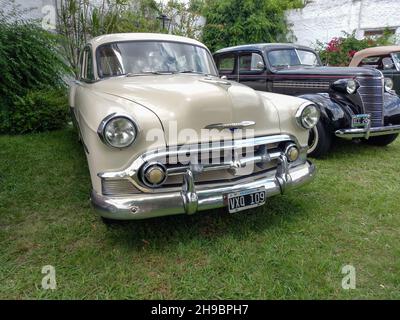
{"x":29,"y":62}
{"x":39,"y":110}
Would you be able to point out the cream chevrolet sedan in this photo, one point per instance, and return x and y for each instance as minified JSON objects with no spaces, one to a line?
{"x":164,"y":134}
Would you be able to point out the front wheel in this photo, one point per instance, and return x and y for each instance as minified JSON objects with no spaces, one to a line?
{"x":319,"y":142}
{"x":382,"y":141}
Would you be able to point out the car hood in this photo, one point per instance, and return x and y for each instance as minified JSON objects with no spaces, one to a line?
{"x":186,"y":103}
{"x":330,"y":72}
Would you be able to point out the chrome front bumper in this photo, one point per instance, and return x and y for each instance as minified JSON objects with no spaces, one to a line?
{"x":367,"y":132}
{"x":189,"y":200}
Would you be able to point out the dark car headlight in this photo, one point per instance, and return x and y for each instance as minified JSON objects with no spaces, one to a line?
{"x":388,"y":84}
{"x":117,"y":131}
{"x":349,"y":86}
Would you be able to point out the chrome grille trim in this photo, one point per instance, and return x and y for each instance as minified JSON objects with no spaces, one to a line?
{"x":371,"y":95}
{"x":131,"y":174}
{"x":117,"y":187}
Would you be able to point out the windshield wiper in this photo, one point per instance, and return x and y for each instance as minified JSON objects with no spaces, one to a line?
{"x":191,"y":71}
{"x":158,"y":72}
{"x":146,"y":73}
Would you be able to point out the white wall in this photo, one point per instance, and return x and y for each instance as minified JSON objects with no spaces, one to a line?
{"x":33,"y":7}
{"x":324,"y":19}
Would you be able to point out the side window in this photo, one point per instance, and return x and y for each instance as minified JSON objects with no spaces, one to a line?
{"x":226,"y":64}
{"x":372,"y":62}
{"x":251,"y":62}
{"x":87,"y":73}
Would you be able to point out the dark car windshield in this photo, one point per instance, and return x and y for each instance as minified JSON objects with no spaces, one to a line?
{"x":292,"y":57}
{"x":153,"y":57}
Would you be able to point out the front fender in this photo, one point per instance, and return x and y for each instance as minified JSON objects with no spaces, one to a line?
{"x":334,"y":114}
{"x":286,"y":107}
{"x":391,"y":110}
{"x":93,"y":107}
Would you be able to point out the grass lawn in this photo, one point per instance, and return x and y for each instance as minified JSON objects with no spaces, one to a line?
{"x":294,"y":247}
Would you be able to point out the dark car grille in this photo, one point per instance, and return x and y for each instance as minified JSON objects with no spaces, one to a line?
{"x":371,"y":94}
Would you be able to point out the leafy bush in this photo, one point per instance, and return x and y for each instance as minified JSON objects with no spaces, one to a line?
{"x":39,"y":110}
{"x":29,"y":61}
{"x":340,"y":51}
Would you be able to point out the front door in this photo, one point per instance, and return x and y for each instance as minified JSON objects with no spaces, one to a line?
{"x":252,"y":70}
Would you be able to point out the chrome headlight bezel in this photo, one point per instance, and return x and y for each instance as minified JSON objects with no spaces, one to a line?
{"x":348,"y":86}
{"x":388,"y":84}
{"x":302,"y":113}
{"x":104,"y":125}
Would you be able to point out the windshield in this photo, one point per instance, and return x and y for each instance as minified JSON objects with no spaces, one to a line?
{"x":396,"y":59}
{"x":153,"y":57}
{"x":292,"y":57}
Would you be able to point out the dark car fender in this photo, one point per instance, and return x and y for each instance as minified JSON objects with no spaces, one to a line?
{"x":335,"y":113}
{"x":391,"y":110}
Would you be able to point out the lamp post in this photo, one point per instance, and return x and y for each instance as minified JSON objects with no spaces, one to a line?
{"x":165,"y":22}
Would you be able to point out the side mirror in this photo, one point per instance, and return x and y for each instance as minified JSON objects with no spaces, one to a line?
{"x":260,"y":66}
{"x":387,"y":63}
{"x":224,"y":77}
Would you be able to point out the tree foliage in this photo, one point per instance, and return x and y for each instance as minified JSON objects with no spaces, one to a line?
{"x":235,"y":22}
{"x":186,"y":17}
{"x":80,"y":20}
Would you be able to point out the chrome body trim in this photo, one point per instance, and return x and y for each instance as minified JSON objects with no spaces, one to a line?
{"x":189,"y":200}
{"x":234,"y":125}
{"x":367,"y":132}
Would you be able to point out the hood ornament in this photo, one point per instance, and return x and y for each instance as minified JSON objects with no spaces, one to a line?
{"x":231,"y":126}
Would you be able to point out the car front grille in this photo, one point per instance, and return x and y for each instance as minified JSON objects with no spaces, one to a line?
{"x":265,"y":156}
{"x":371,"y":94}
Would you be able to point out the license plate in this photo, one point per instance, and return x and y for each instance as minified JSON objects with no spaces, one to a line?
{"x":244,"y":200}
{"x":360,"y":120}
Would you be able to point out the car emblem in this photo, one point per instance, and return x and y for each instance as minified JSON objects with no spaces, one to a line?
{"x":231,"y":126}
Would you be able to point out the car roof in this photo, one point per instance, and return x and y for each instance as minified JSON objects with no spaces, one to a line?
{"x":263,"y":47}
{"x":375,"y":51}
{"x":121,"y":37}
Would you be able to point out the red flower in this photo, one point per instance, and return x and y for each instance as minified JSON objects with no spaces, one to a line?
{"x":333,"y":45}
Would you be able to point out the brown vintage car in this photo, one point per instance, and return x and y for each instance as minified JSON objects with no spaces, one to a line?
{"x":355,"y":103}
{"x":386,"y":59}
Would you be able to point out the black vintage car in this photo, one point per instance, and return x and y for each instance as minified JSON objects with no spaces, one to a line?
{"x":353,"y":101}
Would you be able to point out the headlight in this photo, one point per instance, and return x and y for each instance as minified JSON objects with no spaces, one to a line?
{"x":351,"y":86}
{"x":117,"y":131}
{"x":307,"y":116}
{"x":388,"y":84}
